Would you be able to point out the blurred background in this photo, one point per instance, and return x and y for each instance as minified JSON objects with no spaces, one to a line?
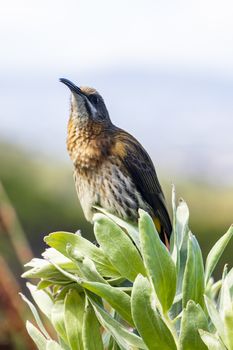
{"x":165,"y":70}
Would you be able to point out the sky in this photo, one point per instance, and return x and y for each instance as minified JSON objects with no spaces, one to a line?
{"x":165,"y":69}
{"x":88,"y":34}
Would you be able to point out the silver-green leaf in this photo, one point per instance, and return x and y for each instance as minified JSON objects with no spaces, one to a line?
{"x":118,"y":247}
{"x":91,"y":335}
{"x":193,"y":282}
{"x":59,"y":241}
{"x":119,"y":300}
{"x":150,"y":325}
{"x":122,"y":336}
{"x":193,"y":318}
{"x":73,"y":317}
{"x":211,"y":340}
{"x":38,"y":338}
{"x":216,"y":252}
{"x":159,"y":265}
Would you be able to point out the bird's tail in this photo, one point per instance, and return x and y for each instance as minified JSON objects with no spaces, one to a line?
{"x":162,"y":233}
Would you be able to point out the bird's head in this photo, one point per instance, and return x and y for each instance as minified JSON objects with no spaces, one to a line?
{"x":86,"y":105}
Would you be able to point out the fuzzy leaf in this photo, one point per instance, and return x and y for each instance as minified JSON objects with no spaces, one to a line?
{"x":91,"y":335}
{"x":122,"y":336}
{"x":211,"y":341}
{"x":36,"y":316}
{"x":216,"y":252}
{"x":52,"y":345}
{"x":43,"y":284}
{"x":182,"y":218}
{"x":118,"y":247}
{"x":73,"y":317}
{"x":225,"y":302}
{"x":193,"y":318}
{"x":59,"y":241}
{"x":43,"y":269}
{"x":57,"y":318}
{"x":228,"y":325}
{"x":181,"y":231}
{"x":151,"y":327}
{"x":193,"y":282}
{"x":86,"y":266}
{"x":159,"y":264}
{"x":42,"y":299}
{"x":119,"y":300}
{"x":36,"y":336}
{"x":215,"y":317}
{"x":131,"y":229}
{"x":229,"y":278}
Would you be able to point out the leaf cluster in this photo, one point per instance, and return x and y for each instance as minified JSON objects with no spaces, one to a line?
{"x":129,"y":291}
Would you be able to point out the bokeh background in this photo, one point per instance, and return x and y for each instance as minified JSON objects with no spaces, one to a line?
{"x":165,"y":70}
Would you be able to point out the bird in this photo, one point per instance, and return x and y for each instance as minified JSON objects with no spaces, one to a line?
{"x":111,"y":168}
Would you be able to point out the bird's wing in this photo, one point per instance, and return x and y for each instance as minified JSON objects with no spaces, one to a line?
{"x":143,"y":174}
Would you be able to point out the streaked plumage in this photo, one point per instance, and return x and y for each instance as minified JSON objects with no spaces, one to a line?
{"x":111,"y":168}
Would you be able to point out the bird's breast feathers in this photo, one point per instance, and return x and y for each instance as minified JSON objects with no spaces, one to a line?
{"x":89,"y":147}
{"x":110,"y":188}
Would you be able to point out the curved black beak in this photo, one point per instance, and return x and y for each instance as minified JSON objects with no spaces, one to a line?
{"x":71,"y":86}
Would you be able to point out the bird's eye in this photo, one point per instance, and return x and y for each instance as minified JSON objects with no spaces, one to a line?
{"x":94,"y":99}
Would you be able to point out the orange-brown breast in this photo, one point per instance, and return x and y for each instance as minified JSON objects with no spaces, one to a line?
{"x":89,"y":145}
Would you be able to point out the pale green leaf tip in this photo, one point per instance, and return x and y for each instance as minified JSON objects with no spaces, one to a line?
{"x":225,"y":268}
{"x":29,"y":326}
{"x":190,"y":235}
{"x":189,"y":304}
{"x":46,"y":238}
{"x":142,"y":213}
{"x":49,"y":236}
{"x":230,"y":231}
{"x":24,"y":274}
{"x":139,"y":276}
{"x":99,"y":216}
{"x":182,"y":202}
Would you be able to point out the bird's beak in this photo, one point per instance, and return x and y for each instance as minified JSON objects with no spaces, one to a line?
{"x":71,"y":86}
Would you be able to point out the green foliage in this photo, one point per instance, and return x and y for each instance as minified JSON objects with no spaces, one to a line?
{"x":130,"y":292}
{"x":160,"y":267}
